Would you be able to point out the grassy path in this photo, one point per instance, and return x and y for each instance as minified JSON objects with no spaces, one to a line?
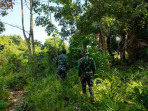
{"x":15,"y":99}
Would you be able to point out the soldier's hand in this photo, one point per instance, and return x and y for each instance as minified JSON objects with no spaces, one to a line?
{"x":80,"y":79}
{"x":67,"y":71}
{"x":93,"y":75}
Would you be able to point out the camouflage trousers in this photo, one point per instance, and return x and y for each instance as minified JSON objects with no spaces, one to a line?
{"x":90,"y":84}
{"x":61,"y":75}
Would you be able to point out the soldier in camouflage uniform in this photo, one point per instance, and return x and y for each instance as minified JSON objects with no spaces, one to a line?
{"x":86,"y":72}
{"x":62,"y":64}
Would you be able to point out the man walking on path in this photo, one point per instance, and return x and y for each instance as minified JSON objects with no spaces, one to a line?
{"x":86,"y":72}
{"x":62,"y":64}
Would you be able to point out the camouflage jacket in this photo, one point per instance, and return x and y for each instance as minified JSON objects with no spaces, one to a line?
{"x":86,"y":66}
{"x":62,"y":62}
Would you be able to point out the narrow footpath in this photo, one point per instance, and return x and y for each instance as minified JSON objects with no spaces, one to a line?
{"x":15,"y":99}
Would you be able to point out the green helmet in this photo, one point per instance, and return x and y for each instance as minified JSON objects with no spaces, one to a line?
{"x":85,"y":51}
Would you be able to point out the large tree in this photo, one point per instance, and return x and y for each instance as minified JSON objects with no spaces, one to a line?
{"x":130,"y":19}
{"x":107,"y":19}
{"x":31,"y":36}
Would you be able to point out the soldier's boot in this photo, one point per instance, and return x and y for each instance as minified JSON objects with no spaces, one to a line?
{"x":91,"y":90}
{"x":59,"y":77}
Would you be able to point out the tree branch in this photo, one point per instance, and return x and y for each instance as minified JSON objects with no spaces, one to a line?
{"x":23,"y":20}
{"x":14,"y":26}
{"x":27,"y":5}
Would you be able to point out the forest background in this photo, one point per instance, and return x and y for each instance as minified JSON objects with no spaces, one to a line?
{"x":115,"y":32}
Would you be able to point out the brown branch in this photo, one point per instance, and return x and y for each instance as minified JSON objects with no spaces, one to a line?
{"x":23,"y":20}
{"x":14,"y":26}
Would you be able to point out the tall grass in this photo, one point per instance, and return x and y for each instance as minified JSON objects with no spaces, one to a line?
{"x":114,"y":90}
{"x":116,"y":87}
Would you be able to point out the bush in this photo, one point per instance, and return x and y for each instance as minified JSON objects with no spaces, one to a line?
{"x":3,"y":93}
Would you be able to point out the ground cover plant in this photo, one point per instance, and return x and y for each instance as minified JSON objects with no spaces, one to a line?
{"x":117,"y":87}
{"x":115,"y":35}
{"x":114,"y":90}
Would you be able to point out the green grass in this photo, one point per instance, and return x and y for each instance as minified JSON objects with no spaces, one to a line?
{"x":114,"y":90}
{"x":119,"y":88}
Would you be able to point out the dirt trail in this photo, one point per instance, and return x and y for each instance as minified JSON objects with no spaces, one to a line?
{"x":15,"y":99}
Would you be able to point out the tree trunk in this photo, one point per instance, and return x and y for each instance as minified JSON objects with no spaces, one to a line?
{"x":102,"y":37}
{"x":31,"y":26}
{"x":27,"y":39}
{"x":99,"y":40}
{"x":132,"y":45}
{"x":109,"y":46}
{"x":28,"y":44}
{"x":122,"y":48}
{"x":31,"y":29}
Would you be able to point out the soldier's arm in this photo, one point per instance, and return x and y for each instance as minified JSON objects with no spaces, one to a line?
{"x":79,"y":68}
{"x":93,"y":66}
{"x":67,"y":64}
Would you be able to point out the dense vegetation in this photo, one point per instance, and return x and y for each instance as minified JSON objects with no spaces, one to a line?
{"x":117,"y":87}
{"x":116,"y":36}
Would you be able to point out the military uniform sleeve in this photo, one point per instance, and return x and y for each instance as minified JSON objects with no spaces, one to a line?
{"x":93,"y":66}
{"x":79,"y":68}
{"x":67,"y":64}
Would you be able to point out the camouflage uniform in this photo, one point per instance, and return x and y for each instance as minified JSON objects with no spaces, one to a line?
{"x":62,"y":64}
{"x":86,"y":70}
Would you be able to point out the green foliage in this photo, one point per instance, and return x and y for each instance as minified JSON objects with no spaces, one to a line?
{"x":54,"y":47}
{"x":5,"y":6}
{"x":3,"y":104}
{"x":84,"y":18}
{"x":115,"y":92}
{"x":17,"y":81}
{"x":112,"y":92}
{"x":116,"y":87}
{"x":3,"y":92}
{"x":1,"y":27}
{"x":53,"y":44}
{"x":59,"y":93}
{"x":102,"y":59}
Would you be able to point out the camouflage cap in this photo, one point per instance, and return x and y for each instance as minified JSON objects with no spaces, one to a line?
{"x":85,"y":51}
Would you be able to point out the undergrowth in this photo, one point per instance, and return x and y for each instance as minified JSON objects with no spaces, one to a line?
{"x":115,"y":90}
